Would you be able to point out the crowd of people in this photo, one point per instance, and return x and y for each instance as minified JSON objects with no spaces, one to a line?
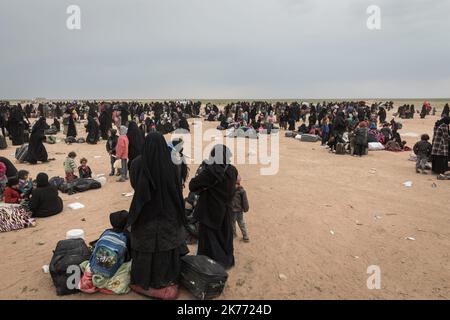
{"x":138,"y":153}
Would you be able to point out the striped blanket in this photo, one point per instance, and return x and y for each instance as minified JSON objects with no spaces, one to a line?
{"x":14,"y":217}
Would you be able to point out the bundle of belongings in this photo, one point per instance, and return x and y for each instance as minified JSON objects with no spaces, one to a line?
{"x":70,"y":140}
{"x":307,"y":137}
{"x":243,"y":132}
{"x":105,"y":267}
{"x":15,"y":217}
{"x":78,"y":185}
{"x":21,"y":154}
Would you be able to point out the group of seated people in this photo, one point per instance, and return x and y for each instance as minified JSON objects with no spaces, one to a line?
{"x":37,"y":196}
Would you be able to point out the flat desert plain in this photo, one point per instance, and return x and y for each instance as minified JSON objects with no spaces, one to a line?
{"x":315,"y":227}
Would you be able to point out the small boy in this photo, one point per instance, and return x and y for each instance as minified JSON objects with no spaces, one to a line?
{"x":84,"y":170}
{"x":70,"y":167}
{"x":240,"y":205}
{"x":25,"y":183}
{"x":12,"y":193}
{"x":423,"y":151}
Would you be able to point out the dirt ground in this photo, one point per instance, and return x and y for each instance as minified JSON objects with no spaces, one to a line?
{"x":315,"y":227}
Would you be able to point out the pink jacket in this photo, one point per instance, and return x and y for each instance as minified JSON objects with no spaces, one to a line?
{"x":122,"y":147}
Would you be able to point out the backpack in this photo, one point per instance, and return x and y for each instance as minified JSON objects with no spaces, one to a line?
{"x":3,"y":144}
{"x":22,"y":153}
{"x":109,"y":253}
{"x":68,"y":253}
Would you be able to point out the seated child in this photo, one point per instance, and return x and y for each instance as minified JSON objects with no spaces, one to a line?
{"x":240,"y":205}
{"x":70,"y":166}
{"x":12,"y":193}
{"x":25,"y":183}
{"x":423,"y":151}
{"x":84,"y":170}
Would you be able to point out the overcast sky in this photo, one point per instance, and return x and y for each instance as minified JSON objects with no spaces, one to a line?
{"x":224,"y":49}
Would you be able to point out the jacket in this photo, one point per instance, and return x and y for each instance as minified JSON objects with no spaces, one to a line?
{"x":240,"y":201}
{"x":122,"y":147}
{"x":422,"y":149}
{"x":11,"y":195}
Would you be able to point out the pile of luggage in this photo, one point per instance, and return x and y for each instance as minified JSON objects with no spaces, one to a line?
{"x":70,"y":140}
{"x":76,"y":186}
{"x":105,"y":266}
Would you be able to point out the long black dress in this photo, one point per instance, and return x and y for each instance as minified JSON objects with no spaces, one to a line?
{"x":93,"y":131}
{"x":136,"y":142}
{"x":216,"y":184}
{"x":36,"y":148}
{"x":16,"y":126}
{"x":156,"y":217}
{"x":11,"y":170}
{"x":71,"y":129}
{"x":105,"y":123}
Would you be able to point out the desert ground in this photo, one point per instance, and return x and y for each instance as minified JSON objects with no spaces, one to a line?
{"x":315,"y":226}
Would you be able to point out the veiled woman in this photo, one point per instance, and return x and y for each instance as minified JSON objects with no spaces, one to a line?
{"x":215,"y":185}
{"x":136,"y":142}
{"x":16,"y":125}
{"x":71,"y":128}
{"x":156,"y":221}
{"x":92,"y":129}
{"x":36,"y":148}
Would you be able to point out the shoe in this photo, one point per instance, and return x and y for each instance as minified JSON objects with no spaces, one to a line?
{"x":111,"y":174}
{"x":121,"y":180}
{"x":417,"y":171}
{"x":424,"y":172}
{"x":246,"y":239}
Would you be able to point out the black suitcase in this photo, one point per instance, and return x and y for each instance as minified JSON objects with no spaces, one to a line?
{"x":22,"y":153}
{"x":203,"y":277}
{"x":68,"y":253}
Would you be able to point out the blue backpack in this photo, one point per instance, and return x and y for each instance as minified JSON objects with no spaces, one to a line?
{"x":109,"y":253}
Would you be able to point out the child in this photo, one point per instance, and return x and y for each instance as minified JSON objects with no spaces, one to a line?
{"x":423,"y":151}
{"x":12,"y":194}
{"x":240,"y":205}
{"x":111,"y":148}
{"x":122,"y":152}
{"x":84,"y":170}
{"x":70,"y":166}
{"x":25,"y":183}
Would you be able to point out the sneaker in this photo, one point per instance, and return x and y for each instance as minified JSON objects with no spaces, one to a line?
{"x":246,"y":239}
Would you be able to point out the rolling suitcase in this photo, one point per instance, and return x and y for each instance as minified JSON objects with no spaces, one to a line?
{"x":203,"y":277}
{"x":22,"y":153}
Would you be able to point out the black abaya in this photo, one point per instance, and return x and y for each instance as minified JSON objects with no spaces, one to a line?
{"x":71,"y":129}
{"x":36,"y":148}
{"x":136,"y":142}
{"x":156,"y":217}
{"x":215,"y":184}
{"x":93,"y":131}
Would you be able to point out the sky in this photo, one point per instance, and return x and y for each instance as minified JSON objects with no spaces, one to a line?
{"x":211,"y":49}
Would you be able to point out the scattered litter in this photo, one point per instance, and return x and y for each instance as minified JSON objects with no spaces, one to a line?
{"x":40,"y":243}
{"x":373,"y":171}
{"x":76,"y":206}
{"x":410,"y":134}
{"x":46,"y":268}
{"x":410,"y":238}
{"x":97,"y":157}
{"x":332,"y":232}
{"x":434,"y":185}
{"x":356,"y":257}
{"x":408,"y":184}
{"x":128,"y":194}
{"x":358,"y":223}
{"x":377,"y":217}
{"x":84,"y":219}
{"x":282,"y":276}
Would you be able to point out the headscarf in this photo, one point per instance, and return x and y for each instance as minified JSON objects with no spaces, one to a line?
{"x":135,"y":136}
{"x":123,"y":130}
{"x":156,"y":181}
{"x":2,"y":169}
{"x":42,"y":180}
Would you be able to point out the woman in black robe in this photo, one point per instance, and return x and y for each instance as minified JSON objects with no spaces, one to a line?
{"x":216,"y":184}
{"x":157,"y":221}
{"x":136,"y":142}
{"x":445,"y":111}
{"x":16,"y":126}
{"x":105,"y":120}
{"x":71,"y":129}
{"x":92,"y":130}
{"x":11,"y":170}
{"x":36,"y":148}
{"x":45,"y":201}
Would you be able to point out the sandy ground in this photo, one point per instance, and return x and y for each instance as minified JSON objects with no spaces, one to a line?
{"x":320,"y":222}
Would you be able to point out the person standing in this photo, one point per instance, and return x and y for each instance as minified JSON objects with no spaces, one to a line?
{"x":122,"y":153}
